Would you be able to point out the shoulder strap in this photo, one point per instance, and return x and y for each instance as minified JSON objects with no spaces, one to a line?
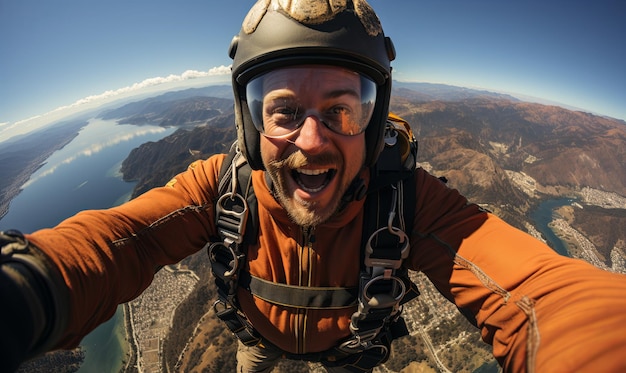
{"x":389,"y":211}
{"x":235,"y":164}
{"x":236,"y":222}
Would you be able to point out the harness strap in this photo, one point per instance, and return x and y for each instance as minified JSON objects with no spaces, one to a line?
{"x":384,"y":283}
{"x":300,"y":296}
{"x":234,"y":208}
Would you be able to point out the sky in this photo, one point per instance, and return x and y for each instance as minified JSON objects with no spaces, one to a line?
{"x":62,"y":55}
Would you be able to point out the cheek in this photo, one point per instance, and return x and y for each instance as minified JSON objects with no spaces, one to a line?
{"x":270,"y":150}
{"x":354,"y":150}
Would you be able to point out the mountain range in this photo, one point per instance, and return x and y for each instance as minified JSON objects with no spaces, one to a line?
{"x":502,"y":153}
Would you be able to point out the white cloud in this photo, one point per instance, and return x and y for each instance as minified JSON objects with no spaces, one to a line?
{"x":150,"y":82}
{"x":8,"y":130}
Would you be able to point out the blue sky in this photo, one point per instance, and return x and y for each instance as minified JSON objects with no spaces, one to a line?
{"x":57,"y":53}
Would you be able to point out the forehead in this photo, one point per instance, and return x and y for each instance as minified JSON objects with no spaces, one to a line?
{"x":311,"y":77}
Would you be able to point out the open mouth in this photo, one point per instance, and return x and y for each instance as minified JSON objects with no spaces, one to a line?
{"x":313,"y":181}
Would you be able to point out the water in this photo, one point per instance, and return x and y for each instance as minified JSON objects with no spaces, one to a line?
{"x":105,"y":347}
{"x":84,"y":175}
{"x":543,"y":215}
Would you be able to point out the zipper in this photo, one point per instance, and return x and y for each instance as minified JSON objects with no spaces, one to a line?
{"x":304,"y":279}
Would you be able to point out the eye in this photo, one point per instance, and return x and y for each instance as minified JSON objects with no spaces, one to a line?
{"x":284,"y":111}
{"x":284,"y":114}
{"x":339,"y":115}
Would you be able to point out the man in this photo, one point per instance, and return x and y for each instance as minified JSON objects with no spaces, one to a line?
{"x":312,"y":82}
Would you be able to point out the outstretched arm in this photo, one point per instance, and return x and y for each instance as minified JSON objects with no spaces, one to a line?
{"x":541,"y":311}
{"x":107,"y":257}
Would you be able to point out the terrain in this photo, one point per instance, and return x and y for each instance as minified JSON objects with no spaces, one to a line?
{"x":502,"y":153}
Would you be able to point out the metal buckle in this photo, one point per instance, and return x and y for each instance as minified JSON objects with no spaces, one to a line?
{"x":373,"y":301}
{"x":391,"y":136}
{"x":358,"y":344}
{"x":385,"y":262}
{"x":384,"y":300}
{"x":225,"y":307}
{"x":224,"y":260}
{"x":231,"y":217}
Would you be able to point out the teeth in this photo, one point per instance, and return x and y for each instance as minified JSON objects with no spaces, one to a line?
{"x":310,"y":190}
{"x":312,"y":172}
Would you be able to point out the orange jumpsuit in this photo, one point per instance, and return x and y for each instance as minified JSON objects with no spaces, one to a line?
{"x":540,"y":311}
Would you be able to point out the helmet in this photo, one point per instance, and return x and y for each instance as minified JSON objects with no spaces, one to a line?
{"x":279,"y":33}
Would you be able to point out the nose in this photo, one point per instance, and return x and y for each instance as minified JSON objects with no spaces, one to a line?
{"x":312,"y":135}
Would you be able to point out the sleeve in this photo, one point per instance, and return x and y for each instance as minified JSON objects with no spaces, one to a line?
{"x":539,"y":310}
{"x":108,"y":257}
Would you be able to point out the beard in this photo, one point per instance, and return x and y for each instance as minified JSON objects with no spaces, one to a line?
{"x":302,"y":212}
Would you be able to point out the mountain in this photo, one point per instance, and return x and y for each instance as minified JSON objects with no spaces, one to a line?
{"x":154,"y":163}
{"x":422,"y":92}
{"x":503,"y":153}
{"x":170,"y":110}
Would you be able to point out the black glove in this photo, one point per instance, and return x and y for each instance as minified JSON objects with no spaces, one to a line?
{"x":33,"y":297}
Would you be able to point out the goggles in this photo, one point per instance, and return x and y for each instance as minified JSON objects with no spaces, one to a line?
{"x":281,"y":100}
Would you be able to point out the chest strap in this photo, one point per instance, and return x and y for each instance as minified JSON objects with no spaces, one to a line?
{"x":300,"y":296}
{"x":384,"y":284}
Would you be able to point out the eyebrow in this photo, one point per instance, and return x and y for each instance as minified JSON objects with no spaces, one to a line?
{"x":341,"y":92}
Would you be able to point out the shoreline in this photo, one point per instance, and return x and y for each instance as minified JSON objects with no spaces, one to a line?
{"x":130,"y":365}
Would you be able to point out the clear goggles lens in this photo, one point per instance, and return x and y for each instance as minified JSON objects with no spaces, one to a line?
{"x":281,"y":100}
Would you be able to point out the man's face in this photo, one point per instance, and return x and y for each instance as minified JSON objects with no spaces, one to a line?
{"x":312,"y":167}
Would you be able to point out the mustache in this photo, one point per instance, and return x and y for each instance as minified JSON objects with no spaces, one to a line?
{"x":298,"y":159}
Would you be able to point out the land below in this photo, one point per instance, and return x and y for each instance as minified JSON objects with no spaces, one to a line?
{"x":506,"y":155}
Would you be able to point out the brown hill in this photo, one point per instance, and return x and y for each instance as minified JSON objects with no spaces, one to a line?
{"x":154,"y":163}
{"x":474,"y":141}
{"x":559,"y":147}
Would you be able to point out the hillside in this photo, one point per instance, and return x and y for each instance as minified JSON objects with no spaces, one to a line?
{"x":502,"y":153}
{"x":487,"y":145}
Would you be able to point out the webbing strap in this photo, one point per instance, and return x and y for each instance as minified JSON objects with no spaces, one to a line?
{"x":384,"y":280}
{"x":300,"y":296}
{"x":384,"y":286}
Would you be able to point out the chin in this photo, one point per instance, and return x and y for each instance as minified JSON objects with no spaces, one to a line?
{"x":307,"y":213}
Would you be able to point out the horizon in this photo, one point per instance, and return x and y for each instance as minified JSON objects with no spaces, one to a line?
{"x":154,"y":87}
{"x":68,"y":56}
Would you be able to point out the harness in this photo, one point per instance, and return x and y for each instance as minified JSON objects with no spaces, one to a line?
{"x":384,"y":285}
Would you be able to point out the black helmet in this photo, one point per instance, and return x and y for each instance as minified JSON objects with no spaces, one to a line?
{"x":278,"y":33}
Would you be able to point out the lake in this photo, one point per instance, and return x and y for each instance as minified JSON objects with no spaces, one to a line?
{"x":542,"y":215}
{"x":84,"y":175}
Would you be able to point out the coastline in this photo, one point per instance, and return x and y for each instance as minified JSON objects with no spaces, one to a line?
{"x":148,"y":318}
{"x":130,"y":362}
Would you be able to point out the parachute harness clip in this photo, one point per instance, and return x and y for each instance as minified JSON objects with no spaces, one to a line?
{"x":381,"y":289}
{"x":227,"y":259}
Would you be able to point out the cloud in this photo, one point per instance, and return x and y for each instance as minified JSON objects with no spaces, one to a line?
{"x":150,"y":82}
{"x":7,"y":130}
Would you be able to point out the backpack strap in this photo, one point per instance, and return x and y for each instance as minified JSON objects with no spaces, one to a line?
{"x":384,"y":282}
{"x":236,"y":222}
